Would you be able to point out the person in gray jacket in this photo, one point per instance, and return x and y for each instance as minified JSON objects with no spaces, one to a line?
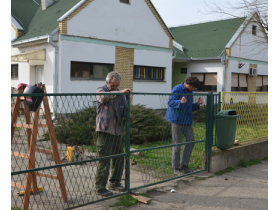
{"x":111,"y":112}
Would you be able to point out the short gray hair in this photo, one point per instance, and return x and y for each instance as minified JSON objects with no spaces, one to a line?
{"x":114,"y":76}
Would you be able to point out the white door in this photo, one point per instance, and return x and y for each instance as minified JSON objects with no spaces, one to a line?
{"x":39,"y":74}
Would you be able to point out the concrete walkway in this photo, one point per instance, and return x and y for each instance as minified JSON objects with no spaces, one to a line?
{"x":243,"y":188}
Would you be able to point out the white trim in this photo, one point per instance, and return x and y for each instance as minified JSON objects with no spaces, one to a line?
{"x":31,"y":39}
{"x":16,"y":24}
{"x":70,"y":11}
{"x":238,"y":32}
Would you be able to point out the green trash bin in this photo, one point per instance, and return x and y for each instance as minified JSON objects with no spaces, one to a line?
{"x":225,"y":129}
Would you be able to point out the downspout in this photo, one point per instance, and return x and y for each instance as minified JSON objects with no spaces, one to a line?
{"x":174,"y":53}
{"x":50,"y":40}
{"x":223,"y":61}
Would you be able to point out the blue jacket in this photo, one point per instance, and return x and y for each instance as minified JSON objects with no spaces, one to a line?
{"x":180,"y":114}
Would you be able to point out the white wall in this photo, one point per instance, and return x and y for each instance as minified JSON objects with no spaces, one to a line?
{"x":83,"y":52}
{"x":156,"y":59}
{"x":113,"y":20}
{"x":13,"y":33}
{"x":207,"y":67}
{"x":251,"y":46}
{"x":27,"y":72}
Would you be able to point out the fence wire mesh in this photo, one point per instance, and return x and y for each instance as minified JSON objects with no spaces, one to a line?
{"x":252,"y":111}
{"x":60,"y":160}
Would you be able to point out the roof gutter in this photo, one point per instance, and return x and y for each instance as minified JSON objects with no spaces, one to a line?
{"x":30,"y":40}
{"x":50,"y":40}
{"x":198,"y":59}
{"x":70,"y":11}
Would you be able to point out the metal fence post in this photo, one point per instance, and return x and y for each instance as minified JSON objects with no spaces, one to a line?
{"x":209,"y":128}
{"x":127,"y":145}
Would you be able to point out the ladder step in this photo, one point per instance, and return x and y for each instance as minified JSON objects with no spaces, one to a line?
{"x":46,"y":175}
{"x":22,"y":155}
{"x":47,"y":151}
{"x":30,"y":125}
{"x":17,"y":185}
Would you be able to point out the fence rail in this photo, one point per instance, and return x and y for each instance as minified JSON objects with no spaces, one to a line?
{"x":252,"y":111}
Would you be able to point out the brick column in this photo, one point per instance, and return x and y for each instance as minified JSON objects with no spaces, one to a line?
{"x":124,"y":62}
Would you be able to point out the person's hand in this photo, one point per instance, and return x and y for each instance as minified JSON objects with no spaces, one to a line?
{"x":125,"y":91}
{"x":200,"y":101}
{"x":183,"y":100}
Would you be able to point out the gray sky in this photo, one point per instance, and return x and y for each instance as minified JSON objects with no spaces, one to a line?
{"x":184,"y":12}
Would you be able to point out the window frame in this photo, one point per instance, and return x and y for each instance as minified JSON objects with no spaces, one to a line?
{"x":239,"y":89}
{"x":146,"y":79}
{"x":91,"y":64}
{"x":203,"y":83}
{"x":14,"y":78}
{"x":262,"y":88}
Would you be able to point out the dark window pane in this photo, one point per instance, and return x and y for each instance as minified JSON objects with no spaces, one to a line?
{"x":265,"y":88}
{"x":80,"y":70}
{"x":148,"y":73}
{"x":234,"y":89}
{"x":124,"y":1}
{"x":211,"y":88}
{"x":244,"y":89}
{"x":100,"y":71}
{"x":14,"y":71}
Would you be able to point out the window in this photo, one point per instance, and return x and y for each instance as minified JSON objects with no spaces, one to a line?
{"x":90,"y":71}
{"x":262,"y":83}
{"x":148,"y":73}
{"x":125,"y":1}
{"x":208,"y":81}
{"x":14,"y":71}
{"x":254,"y":30}
{"x":239,"y":82}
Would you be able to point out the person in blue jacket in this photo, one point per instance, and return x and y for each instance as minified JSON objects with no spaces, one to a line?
{"x":179,"y":113}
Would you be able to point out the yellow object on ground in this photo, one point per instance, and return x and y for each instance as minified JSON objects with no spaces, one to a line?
{"x":22,"y":192}
{"x":75,"y":153}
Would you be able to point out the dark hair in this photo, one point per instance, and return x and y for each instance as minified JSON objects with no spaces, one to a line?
{"x":193,"y":81}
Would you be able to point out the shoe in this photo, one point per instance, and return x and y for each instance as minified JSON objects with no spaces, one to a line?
{"x":186,"y":169}
{"x":178,"y":172}
{"x":104,"y":193}
{"x":117,"y":187}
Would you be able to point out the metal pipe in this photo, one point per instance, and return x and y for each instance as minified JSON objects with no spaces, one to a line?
{"x":50,"y":40}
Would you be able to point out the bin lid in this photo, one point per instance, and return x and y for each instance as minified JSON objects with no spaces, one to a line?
{"x":227,"y":113}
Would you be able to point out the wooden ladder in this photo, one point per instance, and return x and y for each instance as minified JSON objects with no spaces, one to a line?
{"x":32,"y":129}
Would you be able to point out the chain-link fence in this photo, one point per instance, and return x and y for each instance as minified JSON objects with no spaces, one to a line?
{"x":252,"y":111}
{"x":77,"y":149}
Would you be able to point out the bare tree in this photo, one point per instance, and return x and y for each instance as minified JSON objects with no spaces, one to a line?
{"x":244,"y":8}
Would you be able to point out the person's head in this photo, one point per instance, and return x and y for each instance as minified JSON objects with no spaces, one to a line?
{"x":191,"y":83}
{"x":113,"y":80}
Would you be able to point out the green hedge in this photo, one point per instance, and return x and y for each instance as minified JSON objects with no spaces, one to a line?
{"x":79,"y":129}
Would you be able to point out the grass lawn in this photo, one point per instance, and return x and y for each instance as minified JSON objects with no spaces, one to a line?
{"x":160,"y":160}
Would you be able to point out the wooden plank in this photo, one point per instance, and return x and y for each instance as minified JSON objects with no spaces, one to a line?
{"x":30,"y":125}
{"x":17,"y":185}
{"x":31,"y":177}
{"x":46,"y":151}
{"x":15,"y":112}
{"x":141,"y":198}
{"x":54,"y":147}
{"x":46,"y":175}
{"x":22,"y":155}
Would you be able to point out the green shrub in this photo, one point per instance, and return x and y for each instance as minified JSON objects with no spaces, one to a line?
{"x":148,"y":126}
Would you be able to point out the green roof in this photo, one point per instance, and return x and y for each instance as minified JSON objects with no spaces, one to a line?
{"x":205,"y":40}
{"x":35,"y":21}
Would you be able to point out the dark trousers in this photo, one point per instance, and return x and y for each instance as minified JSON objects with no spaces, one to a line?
{"x":109,"y":145}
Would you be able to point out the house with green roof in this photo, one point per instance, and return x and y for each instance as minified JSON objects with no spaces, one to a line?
{"x":71,"y":45}
{"x":225,"y":55}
